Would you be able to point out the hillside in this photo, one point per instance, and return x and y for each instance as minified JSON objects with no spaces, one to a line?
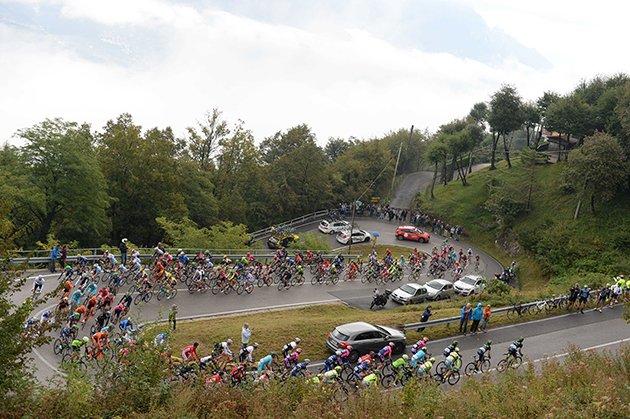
{"x":556,"y":249}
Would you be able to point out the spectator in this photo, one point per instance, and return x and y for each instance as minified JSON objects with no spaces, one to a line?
{"x":458,"y":232}
{"x":477,"y":315}
{"x":246,"y":333}
{"x":63,"y":255}
{"x":172,"y":317}
{"x":425,"y":317}
{"x":54,"y":255}
{"x":486,"y":316}
{"x":463,"y":323}
{"x":123,"y":251}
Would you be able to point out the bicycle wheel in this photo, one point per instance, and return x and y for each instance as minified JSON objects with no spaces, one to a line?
{"x":387,"y":380}
{"x":314,"y":280}
{"x":516,"y":362}
{"x":281,"y":286}
{"x":260,"y":282}
{"x":550,"y":306}
{"x":250,"y":287}
{"x":453,"y":378}
{"x":228,"y":289}
{"x":216,"y":288}
{"x":137,"y":299}
{"x":364,"y":278}
{"x":58,"y":347}
{"x":239,"y":289}
{"x":147,"y":297}
{"x":172,"y":294}
{"x":502,"y":365}
{"x":471,"y":368}
{"x":485,"y":365}
{"x":440,"y":368}
{"x":334,"y":279}
{"x":327,"y":281}
{"x":293,"y":281}
{"x":160,"y":295}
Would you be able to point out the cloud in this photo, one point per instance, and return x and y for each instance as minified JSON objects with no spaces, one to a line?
{"x":342,"y":82}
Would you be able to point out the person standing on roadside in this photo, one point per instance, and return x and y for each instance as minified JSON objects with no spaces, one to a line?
{"x":574,"y":293}
{"x":604,"y":292}
{"x":246,"y":333}
{"x":63,"y":255}
{"x":123,"y":251}
{"x":477,"y":315}
{"x":54,"y":255}
{"x":486,"y":316}
{"x":466,"y":313}
{"x":425,"y":317}
{"x":172,"y":317}
{"x":584,"y":292}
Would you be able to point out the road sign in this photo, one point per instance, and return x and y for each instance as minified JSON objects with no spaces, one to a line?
{"x":376,"y":198}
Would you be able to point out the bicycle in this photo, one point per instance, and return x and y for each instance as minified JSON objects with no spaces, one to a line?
{"x":221,"y":285}
{"x":246,"y":285}
{"x":516,"y":312}
{"x":197,"y":286}
{"x":166,"y":291}
{"x":472,"y":368}
{"x":510,"y":361}
{"x":144,"y":296}
{"x":398,"y":378}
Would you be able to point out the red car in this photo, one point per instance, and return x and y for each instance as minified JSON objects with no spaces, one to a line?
{"x":412,"y":233}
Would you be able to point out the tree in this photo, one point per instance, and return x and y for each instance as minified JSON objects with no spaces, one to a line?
{"x":504,"y":117}
{"x":335,"y":147}
{"x":568,"y":115}
{"x":531,"y":119}
{"x":543,"y":104}
{"x":70,"y":198}
{"x":479,"y":114}
{"x":272,"y":148}
{"x":204,"y":143}
{"x":596,"y":170}
{"x":436,"y":153}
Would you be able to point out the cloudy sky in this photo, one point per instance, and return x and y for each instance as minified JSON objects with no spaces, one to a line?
{"x":346,"y":68}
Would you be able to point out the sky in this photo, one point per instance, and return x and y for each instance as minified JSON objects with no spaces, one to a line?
{"x":354,"y":68}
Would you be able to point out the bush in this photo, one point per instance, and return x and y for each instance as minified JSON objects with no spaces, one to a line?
{"x":311,"y":241}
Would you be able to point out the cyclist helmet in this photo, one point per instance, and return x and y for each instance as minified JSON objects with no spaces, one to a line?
{"x":298,"y":340}
{"x":454,"y":342}
{"x":456,"y":349}
{"x":39,"y":277}
{"x":391,"y":343}
{"x":255,"y":345}
{"x":65,"y":299}
{"x":307,"y":361}
{"x":372,"y":354}
{"x":75,"y":327}
{"x":229,"y":341}
{"x":338,"y":353}
{"x":179,"y":250}
{"x":489,"y":341}
{"x":432,"y":359}
{"x":405,"y":357}
{"x":425,"y":339}
{"x":320,"y":376}
{"x":338,"y":368}
{"x":85,"y":339}
{"x":77,"y":315}
{"x":79,"y":255}
{"x":274,"y":353}
{"x":349,"y":347}
{"x":109,"y":313}
{"x":521,"y":339}
{"x":298,"y":350}
{"x":68,"y":268}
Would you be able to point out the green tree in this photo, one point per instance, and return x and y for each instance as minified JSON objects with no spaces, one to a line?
{"x":597,"y":170}
{"x":568,"y":116}
{"x":205,"y":139}
{"x":543,"y":103}
{"x":504,"y":117}
{"x":335,"y":147}
{"x":70,"y":198}
{"x":276,"y":146}
{"x":479,"y":114}
{"x":436,"y":153}
{"x":531,"y":119}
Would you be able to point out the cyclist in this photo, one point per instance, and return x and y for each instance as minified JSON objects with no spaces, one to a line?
{"x":47,"y":317}
{"x":226,"y":349}
{"x":291,"y":360}
{"x":76,"y":298}
{"x":300,"y":366}
{"x":481,"y":352}
{"x":574,"y":292}
{"x":477,"y":261}
{"x":399,"y":364}
{"x":517,"y":345}
{"x":333,"y":375}
{"x":189,"y":353}
{"x":160,"y":340}
{"x":127,"y":324}
{"x":425,"y":368}
{"x":584,"y":292}
{"x":368,"y":358}
{"x":421,"y":344}
{"x":450,"y":348}
{"x":332,"y":361}
{"x":604,"y":292}
{"x":418,"y":358}
{"x":126,"y":300}
{"x":38,"y":284}
{"x":286,"y":349}
{"x":264,"y":365}
{"x":246,"y":353}
{"x":345,"y":353}
{"x":68,"y":334}
{"x":386,"y":353}
{"x":452,"y":362}
{"x":370,"y":380}
{"x":118,"y":312}
{"x":96,"y":339}
{"x":238,"y":373}
{"x":76,"y":347}
{"x":74,"y":318}
{"x":102,"y":320}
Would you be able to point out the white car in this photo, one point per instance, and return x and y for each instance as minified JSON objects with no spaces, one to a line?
{"x":470,"y":284}
{"x":410,"y":294}
{"x":330,"y":227}
{"x":358,"y":236}
{"x":439,"y":289}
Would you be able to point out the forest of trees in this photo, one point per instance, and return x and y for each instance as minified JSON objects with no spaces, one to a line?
{"x":92,"y":187}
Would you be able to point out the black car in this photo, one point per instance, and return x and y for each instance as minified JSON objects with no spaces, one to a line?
{"x":365,"y":337}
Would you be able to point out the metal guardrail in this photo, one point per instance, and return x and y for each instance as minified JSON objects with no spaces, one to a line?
{"x":456,"y":319}
{"x":296,"y":222}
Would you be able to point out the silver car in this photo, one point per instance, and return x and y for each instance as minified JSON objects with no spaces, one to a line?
{"x":365,"y":337}
{"x":470,"y":284}
{"x":439,"y":289}
{"x":410,"y":294}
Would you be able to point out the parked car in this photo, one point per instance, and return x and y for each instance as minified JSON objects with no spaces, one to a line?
{"x":439,"y":289}
{"x":365,"y":337}
{"x":470,"y":284}
{"x":278,"y":241}
{"x":410,"y":294}
{"x":358,"y":236}
{"x":412,"y":233}
{"x":330,"y":227}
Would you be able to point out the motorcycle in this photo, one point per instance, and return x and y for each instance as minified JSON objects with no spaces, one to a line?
{"x":506,"y":276}
{"x":380,"y":299}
